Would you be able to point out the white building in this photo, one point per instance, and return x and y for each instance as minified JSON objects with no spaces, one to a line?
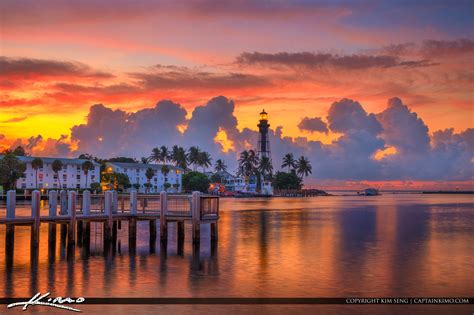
{"x":71,"y":175}
{"x":136,"y":174}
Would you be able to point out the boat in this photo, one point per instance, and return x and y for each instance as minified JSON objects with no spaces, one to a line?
{"x":369,"y":192}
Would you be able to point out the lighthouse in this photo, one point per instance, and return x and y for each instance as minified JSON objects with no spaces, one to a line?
{"x":263,"y":140}
{"x":263,"y":149}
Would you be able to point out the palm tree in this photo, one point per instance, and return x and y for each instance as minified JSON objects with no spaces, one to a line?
{"x":181,"y":158}
{"x":174,"y":154}
{"x":265,"y":166}
{"x":164,"y":154}
{"x":248,"y":162}
{"x":86,"y":167}
{"x":57,"y":166}
{"x":303,"y":167}
{"x":204,"y":160}
{"x":36,"y":164}
{"x":145,"y":159}
{"x":289,"y":161}
{"x":155,"y":155}
{"x":149,"y":173}
{"x":165,"y":171}
{"x":193,"y":156}
{"x":220,"y":166}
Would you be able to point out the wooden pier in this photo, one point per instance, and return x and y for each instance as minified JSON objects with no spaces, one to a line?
{"x":74,"y":214}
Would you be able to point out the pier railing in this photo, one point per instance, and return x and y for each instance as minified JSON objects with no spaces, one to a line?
{"x":209,"y":207}
{"x":72,"y":210}
{"x":149,"y":204}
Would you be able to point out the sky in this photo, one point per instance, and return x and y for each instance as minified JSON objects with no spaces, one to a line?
{"x":373,"y":92}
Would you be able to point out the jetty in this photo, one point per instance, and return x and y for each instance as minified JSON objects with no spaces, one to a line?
{"x":74,"y":213}
{"x":299,"y":193}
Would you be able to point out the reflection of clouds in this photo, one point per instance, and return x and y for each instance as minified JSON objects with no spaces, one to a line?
{"x":389,"y":245}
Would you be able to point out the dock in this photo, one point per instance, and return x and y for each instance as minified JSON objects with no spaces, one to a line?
{"x":74,"y":213}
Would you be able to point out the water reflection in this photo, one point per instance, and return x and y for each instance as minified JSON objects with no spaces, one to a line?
{"x":392,"y":245}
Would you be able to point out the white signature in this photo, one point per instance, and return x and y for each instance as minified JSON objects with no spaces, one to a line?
{"x":57,"y":302}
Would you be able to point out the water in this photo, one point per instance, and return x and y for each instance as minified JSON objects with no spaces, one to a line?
{"x":390,"y":245}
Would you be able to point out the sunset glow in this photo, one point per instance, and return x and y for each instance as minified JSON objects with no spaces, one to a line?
{"x":294,"y":59}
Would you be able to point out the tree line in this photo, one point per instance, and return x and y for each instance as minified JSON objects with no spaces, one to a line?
{"x":249,"y":165}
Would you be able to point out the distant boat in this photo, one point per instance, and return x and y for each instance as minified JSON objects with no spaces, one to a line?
{"x":369,"y":192}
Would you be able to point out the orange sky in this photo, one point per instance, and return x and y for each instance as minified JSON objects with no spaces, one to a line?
{"x":292,"y":59}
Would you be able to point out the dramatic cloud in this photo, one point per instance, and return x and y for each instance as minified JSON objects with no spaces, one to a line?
{"x":403,"y":129}
{"x":350,"y":157}
{"x":416,"y":155}
{"x":316,"y":60}
{"x":27,"y":68}
{"x":347,"y":115}
{"x":315,"y":124}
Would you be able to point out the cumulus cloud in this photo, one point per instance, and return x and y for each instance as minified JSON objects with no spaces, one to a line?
{"x":315,"y":124}
{"x":443,"y":155}
{"x":347,"y":115}
{"x":38,"y":146}
{"x":403,"y":129}
{"x":316,"y":60}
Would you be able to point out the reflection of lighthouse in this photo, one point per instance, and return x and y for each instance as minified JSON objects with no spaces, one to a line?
{"x":263,"y":140}
{"x":264,"y":150}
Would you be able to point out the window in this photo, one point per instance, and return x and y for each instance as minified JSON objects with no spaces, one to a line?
{"x":40,"y":185}
{"x":78,"y":186}
{"x":23,"y":186}
{"x":65,"y":167}
{"x":64,"y":186}
{"x":78,"y":177}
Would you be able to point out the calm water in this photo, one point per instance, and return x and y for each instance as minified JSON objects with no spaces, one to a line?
{"x":390,"y":245}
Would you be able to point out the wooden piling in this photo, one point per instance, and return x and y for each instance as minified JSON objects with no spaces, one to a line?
{"x":63,"y":202}
{"x":132,"y":222}
{"x":80,"y":232}
{"x":10,"y":228}
{"x":11,"y":204}
{"x":108,"y":225}
{"x":86,"y":235}
{"x":63,"y":211}
{"x":196,"y":216}
{"x":163,"y":210}
{"x":35,"y":214}
{"x":53,"y":208}
{"x":180,"y":230}
{"x":214,"y":231}
{"x":152,"y":231}
{"x":9,"y":244}
{"x":71,"y":235}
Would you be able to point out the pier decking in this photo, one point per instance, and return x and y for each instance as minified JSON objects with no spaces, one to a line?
{"x":74,"y":213}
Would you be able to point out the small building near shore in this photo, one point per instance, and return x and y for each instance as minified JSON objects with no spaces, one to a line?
{"x":136,"y":173}
{"x":71,"y":176}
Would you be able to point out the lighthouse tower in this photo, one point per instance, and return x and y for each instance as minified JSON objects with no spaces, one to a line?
{"x":263,"y":140}
{"x":264,"y":150}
